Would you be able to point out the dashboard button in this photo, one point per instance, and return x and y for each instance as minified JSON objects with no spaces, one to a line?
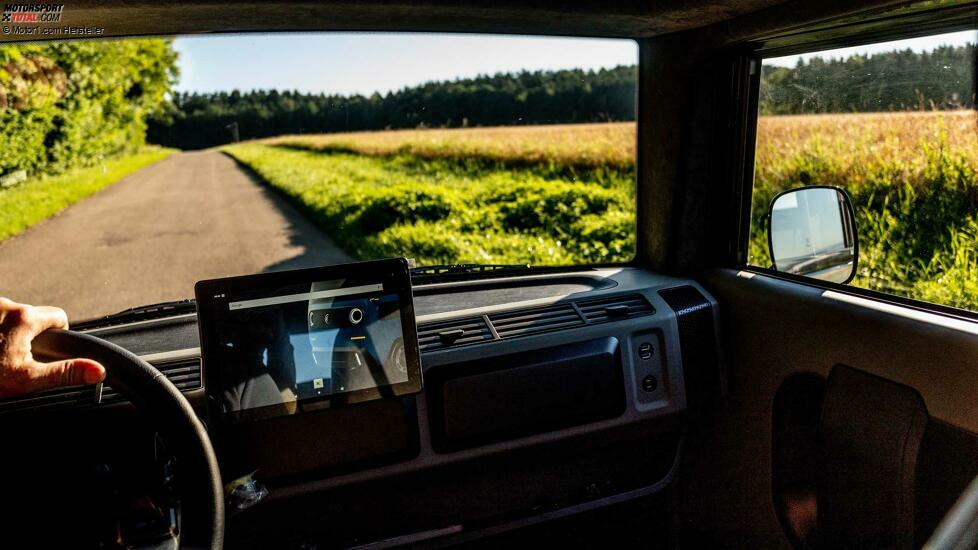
{"x":650,"y":383}
{"x":356,"y":315}
{"x":645,"y":350}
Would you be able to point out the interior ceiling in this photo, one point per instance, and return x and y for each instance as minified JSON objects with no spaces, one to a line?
{"x":621,"y":18}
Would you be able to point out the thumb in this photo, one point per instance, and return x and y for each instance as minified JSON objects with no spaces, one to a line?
{"x":69,"y":372}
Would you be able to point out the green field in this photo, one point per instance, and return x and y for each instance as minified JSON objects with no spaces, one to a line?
{"x":39,"y":198}
{"x":913,"y":179}
{"x":565,"y":194}
{"x":538,"y":202}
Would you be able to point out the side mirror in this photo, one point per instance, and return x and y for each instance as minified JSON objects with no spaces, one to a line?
{"x":812,"y":232}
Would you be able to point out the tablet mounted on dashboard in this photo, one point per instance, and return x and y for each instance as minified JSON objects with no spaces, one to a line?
{"x":289,"y":343}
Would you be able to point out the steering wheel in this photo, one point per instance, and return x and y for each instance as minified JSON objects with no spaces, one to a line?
{"x":198,"y":483}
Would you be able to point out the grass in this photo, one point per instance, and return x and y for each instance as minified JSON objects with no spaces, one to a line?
{"x":913,"y":178}
{"x":610,"y":145}
{"x":565,"y":194}
{"x":427,"y":195}
{"x":37,"y":199}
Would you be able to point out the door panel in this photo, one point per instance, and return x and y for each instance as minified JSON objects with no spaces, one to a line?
{"x":774,"y":329}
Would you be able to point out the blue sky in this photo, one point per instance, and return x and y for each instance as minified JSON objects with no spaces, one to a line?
{"x":348,"y":63}
{"x":916,"y":44}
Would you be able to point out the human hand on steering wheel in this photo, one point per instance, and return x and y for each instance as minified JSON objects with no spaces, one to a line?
{"x":20,"y":373}
{"x":27,"y":332}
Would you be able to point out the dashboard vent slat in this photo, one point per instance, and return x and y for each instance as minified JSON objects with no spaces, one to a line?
{"x":529,"y":321}
{"x":184,"y":374}
{"x":45,"y":400}
{"x":456,"y":332}
{"x":536,"y":320}
{"x":612,"y":308}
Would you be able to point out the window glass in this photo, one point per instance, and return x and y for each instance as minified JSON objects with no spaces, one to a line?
{"x":175,"y":160}
{"x":894,"y":125}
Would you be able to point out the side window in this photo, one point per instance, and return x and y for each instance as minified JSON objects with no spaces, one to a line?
{"x":893,"y":127}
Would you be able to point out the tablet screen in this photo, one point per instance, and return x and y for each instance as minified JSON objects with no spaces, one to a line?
{"x":277,"y":344}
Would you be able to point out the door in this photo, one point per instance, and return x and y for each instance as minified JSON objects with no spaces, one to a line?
{"x":852,"y":415}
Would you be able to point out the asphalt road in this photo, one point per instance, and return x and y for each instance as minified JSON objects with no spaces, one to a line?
{"x":151,"y":236}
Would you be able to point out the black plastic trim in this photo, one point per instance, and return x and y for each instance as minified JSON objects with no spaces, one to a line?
{"x":862,"y":29}
{"x":746,"y":110}
{"x":528,"y":393}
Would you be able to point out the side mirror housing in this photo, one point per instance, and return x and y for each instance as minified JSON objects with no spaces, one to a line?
{"x":812,"y":232}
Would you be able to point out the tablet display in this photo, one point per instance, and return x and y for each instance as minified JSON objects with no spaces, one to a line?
{"x":281,"y":343}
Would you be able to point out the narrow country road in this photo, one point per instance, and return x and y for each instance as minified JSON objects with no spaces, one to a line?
{"x":151,"y":236}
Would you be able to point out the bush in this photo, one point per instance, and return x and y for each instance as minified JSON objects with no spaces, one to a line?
{"x":603,"y":238}
{"x":952,"y":276}
{"x":401,"y":203}
{"x":69,"y":104}
{"x":550,"y":205}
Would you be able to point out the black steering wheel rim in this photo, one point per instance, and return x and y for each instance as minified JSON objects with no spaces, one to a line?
{"x":199,"y":479}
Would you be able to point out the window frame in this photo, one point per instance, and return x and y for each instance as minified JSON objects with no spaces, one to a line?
{"x":824,"y":37}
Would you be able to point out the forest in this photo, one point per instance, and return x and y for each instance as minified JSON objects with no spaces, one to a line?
{"x":890,"y":81}
{"x":69,"y":104}
{"x":539,"y":97}
{"x":899,"y":80}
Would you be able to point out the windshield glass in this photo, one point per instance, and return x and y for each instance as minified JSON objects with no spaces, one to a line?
{"x":131,"y":169}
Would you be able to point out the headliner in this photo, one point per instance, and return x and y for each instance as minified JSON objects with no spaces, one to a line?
{"x":606,"y":18}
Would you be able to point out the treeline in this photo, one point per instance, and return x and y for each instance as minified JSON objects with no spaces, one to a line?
{"x":74,"y":103}
{"x":540,"y":97}
{"x":890,"y":81}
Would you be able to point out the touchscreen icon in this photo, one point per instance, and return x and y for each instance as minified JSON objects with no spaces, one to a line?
{"x":336,"y":317}
{"x":356,"y":315}
{"x":317,"y":383}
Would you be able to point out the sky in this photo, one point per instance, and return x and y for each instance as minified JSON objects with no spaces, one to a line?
{"x":362,"y":63}
{"x":916,"y":44}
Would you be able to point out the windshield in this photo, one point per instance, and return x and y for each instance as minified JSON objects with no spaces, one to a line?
{"x":131,"y":169}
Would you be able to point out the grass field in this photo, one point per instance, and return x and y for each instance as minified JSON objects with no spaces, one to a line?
{"x":37,"y":199}
{"x":565,"y":194}
{"x":913,"y":178}
{"x":545,"y":195}
{"x":565,"y":145}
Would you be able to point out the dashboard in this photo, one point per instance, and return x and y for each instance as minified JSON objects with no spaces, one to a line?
{"x":544,"y":395}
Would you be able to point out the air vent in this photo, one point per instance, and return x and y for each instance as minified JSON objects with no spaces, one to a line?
{"x":613,"y":308}
{"x":526,"y":322}
{"x":184,"y":374}
{"x":532,"y":321}
{"x":48,"y":400}
{"x":457,"y":332}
